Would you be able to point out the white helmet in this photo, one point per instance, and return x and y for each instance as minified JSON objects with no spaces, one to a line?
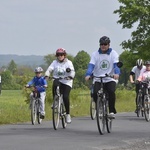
{"x":139,"y":63}
{"x":38,"y":69}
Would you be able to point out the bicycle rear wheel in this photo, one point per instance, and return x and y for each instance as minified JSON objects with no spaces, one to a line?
{"x":100,"y":116}
{"x":92,"y":109}
{"x":33,"y":112}
{"x":63,"y":116}
{"x":146,"y":108}
{"x":56,"y":112}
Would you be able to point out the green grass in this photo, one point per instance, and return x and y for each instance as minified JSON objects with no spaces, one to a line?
{"x":13,"y":107}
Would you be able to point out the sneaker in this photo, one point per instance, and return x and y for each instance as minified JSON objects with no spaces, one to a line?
{"x":68,"y":118}
{"x":42,"y":116}
{"x":135,"y":111}
{"x":111,"y":115}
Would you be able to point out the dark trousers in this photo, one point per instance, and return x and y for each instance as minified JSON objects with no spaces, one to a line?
{"x":110,"y":88}
{"x":65,"y":90}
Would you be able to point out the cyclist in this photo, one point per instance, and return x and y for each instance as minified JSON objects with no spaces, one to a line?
{"x":41,"y":84}
{"x":134,"y":74}
{"x":58,"y":69}
{"x":103,"y":61}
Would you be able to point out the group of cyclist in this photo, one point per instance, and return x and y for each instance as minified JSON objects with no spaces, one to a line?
{"x":103,"y":61}
{"x":140,"y":72}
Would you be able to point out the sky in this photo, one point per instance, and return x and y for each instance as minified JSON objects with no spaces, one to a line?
{"x":40,"y":27}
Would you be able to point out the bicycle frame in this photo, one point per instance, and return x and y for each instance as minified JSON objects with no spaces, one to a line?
{"x":59,"y":111}
{"x":35,"y":109}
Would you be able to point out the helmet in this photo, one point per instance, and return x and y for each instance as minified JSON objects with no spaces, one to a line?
{"x":38,"y":69}
{"x":139,"y":63}
{"x":60,"y":51}
{"x":104,"y":40}
{"x":147,"y":62}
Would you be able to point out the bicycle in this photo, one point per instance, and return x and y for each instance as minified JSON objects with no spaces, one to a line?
{"x":92,"y":105}
{"x":147,"y":100}
{"x":102,"y":116}
{"x":140,"y":107}
{"x":58,"y":108}
{"x":35,"y":107}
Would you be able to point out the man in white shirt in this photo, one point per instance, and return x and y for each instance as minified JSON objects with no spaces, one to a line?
{"x":134,"y":74}
{"x":104,"y":61}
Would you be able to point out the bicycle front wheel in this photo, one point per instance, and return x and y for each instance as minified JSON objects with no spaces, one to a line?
{"x":146,"y":108}
{"x":92,"y":109}
{"x":108,"y":120}
{"x":63,"y":116}
{"x":56,"y":113}
{"x":139,"y":104}
{"x":38,"y":113}
{"x":33,"y":112}
{"x":100,"y":116}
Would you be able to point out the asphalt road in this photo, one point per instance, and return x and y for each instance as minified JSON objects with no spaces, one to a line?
{"x":128,"y":133}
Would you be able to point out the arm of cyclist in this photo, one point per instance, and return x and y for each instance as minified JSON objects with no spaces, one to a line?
{"x":89,"y":71}
{"x":131,"y":77}
{"x":116,"y":71}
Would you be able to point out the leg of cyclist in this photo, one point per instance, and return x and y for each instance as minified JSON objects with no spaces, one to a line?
{"x":42,"y":104}
{"x":111,"y":88}
{"x":95,"y":90}
{"x":65,"y":90}
{"x":137,"y":87}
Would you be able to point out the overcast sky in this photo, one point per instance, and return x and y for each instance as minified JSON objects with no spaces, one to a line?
{"x":39,"y":27}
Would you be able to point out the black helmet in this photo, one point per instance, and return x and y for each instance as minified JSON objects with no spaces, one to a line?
{"x":104,"y":40}
{"x":147,"y":62}
{"x":139,"y":63}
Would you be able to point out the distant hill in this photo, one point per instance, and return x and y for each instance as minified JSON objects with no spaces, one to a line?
{"x":31,"y":60}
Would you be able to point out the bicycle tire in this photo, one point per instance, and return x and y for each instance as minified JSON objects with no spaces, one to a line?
{"x":63,"y":116}
{"x":38,"y":113}
{"x":146,"y":109}
{"x":33,"y":112}
{"x":139,"y":100}
{"x":100,"y":116}
{"x":108,"y":120}
{"x":56,"y":113}
{"x":92,"y":109}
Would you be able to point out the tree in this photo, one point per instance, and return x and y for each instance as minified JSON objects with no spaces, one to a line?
{"x":80,"y":62}
{"x":136,"y":12}
{"x":12,"y":67}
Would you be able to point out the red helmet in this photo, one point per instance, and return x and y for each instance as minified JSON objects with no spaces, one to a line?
{"x":60,"y":51}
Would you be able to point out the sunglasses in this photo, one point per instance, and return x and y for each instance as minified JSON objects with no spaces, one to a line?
{"x":38,"y":72}
{"x":104,"y":44}
{"x":60,"y":55}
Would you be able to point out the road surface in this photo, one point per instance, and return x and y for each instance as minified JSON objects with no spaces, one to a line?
{"x":128,"y":133}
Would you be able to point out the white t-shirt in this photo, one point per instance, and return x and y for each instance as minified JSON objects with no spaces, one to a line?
{"x":137,"y":71}
{"x":104,"y":63}
{"x":59,"y":70}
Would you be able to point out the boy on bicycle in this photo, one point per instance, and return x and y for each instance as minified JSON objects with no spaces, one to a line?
{"x":40,"y":84}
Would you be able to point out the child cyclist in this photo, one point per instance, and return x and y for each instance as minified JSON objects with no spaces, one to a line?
{"x":40,"y":83}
